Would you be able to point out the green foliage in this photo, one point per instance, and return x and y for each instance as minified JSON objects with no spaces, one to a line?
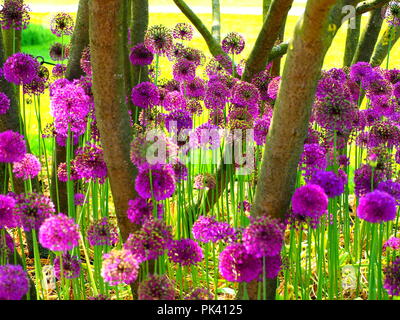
{"x":37,"y":34}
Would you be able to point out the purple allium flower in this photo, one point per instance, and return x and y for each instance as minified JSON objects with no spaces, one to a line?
{"x":79,"y":199}
{"x":194,"y":88}
{"x":183,"y":31}
{"x":140,"y":55}
{"x":217,"y":94}
{"x":263,"y":237}
{"x":155,"y":180}
{"x":261,"y":80}
{"x":206,"y":180}
{"x":376,"y":207}
{"x":392,"y":279}
{"x":27,"y":168}
{"x":204,"y":229}
{"x":185,"y":252}
{"x":59,"y":233}
{"x":391,"y":187}
{"x":313,"y":158}
{"x":156,"y":287}
{"x":145,"y":95}
{"x":4,"y":103}
{"x":206,"y":136}
{"x":180,"y":170}
{"x":174,"y":101}
{"x":39,"y":83}
{"x":71,"y":267}
{"x":332,"y":184}
{"x":14,"y":14}
{"x":363,"y":181}
{"x":393,"y":243}
{"x":20,"y":68}
{"x":310,"y":201}
{"x":178,"y":120}
{"x":14,"y":283}
{"x":62,"y":172}
{"x":158,"y":39}
{"x":62,"y":24}
{"x":245,"y":205}
{"x":59,"y":52}
{"x":33,"y":209}
{"x":385,"y":132}
{"x":184,"y":70}
{"x":233,"y":43}
{"x":237,"y":265}
{"x":376,"y":85}
{"x":392,"y":13}
{"x":119,"y":266}
{"x":193,"y":55}
{"x":140,"y":210}
{"x":261,"y":129}
{"x":151,"y":241}
{"x":85,"y":62}
{"x":273,"y":87}
{"x":359,"y":71}
{"x":245,"y":94}
{"x":102,"y":233}
{"x":200,"y":294}
{"x":6,"y":245}
{"x":89,"y":163}
{"x":8,"y":219}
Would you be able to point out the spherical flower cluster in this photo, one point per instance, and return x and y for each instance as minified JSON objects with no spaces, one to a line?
{"x":140,"y":55}
{"x":263,"y":237}
{"x":393,"y":243}
{"x":200,"y":294}
{"x":63,"y":174}
{"x":272,"y":267}
{"x":184,"y":70}
{"x":313,"y":158}
{"x":59,"y":70}
{"x":14,"y":14}
{"x":140,"y":210}
{"x":237,"y":265}
{"x":359,"y":71}
{"x":4,"y":103}
{"x":20,"y":68}
{"x":158,"y":39}
{"x":119,"y":266}
{"x":183,"y":31}
{"x":310,"y":201}
{"x":194,"y":88}
{"x":59,"y":233}
{"x":156,"y":287}
{"x":70,"y":267}
{"x":145,"y":95}
{"x":185,"y":252}
{"x":217,"y":94}
{"x":33,"y":209}
{"x":89,"y":163}
{"x":206,"y":136}
{"x":391,"y":187}
{"x":376,"y":207}
{"x":261,"y":129}
{"x":27,"y":168}
{"x":261,"y":80}
{"x":14,"y":283}
{"x":392,"y":278}
{"x":8,"y":219}
{"x":365,"y":179}
{"x":206,"y":180}
{"x":59,"y":52}
{"x":273,"y":88}
{"x":180,"y":171}
{"x":332,"y":184}
{"x":174,"y":101}
{"x":102,"y":233}
{"x":178,"y":120}
{"x":62,"y":24}
{"x":392,"y":13}
{"x":233,"y":43}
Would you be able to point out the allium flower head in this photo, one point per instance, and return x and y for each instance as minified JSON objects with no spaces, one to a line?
{"x":310,"y":201}
{"x":86,"y":65}
{"x":140,"y":55}
{"x":261,"y":80}
{"x":119,"y":266}
{"x":237,"y":265}
{"x":313,"y":158}
{"x":62,"y":24}
{"x":263,"y":237}
{"x":233,"y":43}
{"x":79,"y":199}
{"x":200,"y":294}
{"x":158,"y":39}
{"x":332,"y":184}
{"x":364,"y":177}
{"x":156,"y":287}
{"x":145,"y":95}
{"x":376,"y":207}
{"x":392,"y":278}
{"x":4,"y":103}
{"x":20,"y":68}
{"x":27,"y":168}
{"x":185,"y":252}
{"x":14,"y":14}
{"x":178,"y":120}
{"x":217,"y":94}
{"x":102,"y":233}
{"x":261,"y":129}
{"x":12,"y":146}
{"x":59,"y":52}
{"x":14,"y":283}
{"x":273,"y":88}
{"x":245,"y":94}
{"x":71,"y":267}
{"x":183,"y":31}
{"x":89,"y":163}
{"x":272,"y":267}
{"x":140,"y":210}
{"x":393,"y":243}
{"x":193,"y":55}
{"x":184,"y":70}
{"x":194,"y":88}
{"x":59,"y":233}
{"x":359,"y":71}
{"x":8,"y":219}
{"x":62,"y":173}
{"x":174,"y":101}
{"x":206,"y":180}
{"x":391,"y":187}
{"x":39,"y":83}
{"x":392,"y":13}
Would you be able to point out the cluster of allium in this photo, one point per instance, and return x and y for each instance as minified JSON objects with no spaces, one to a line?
{"x":59,"y":233}
{"x":264,"y":237}
{"x":218,"y":65}
{"x":185,"y":252}
{"x":62,"y":172}
{"x":12,"y":146}
{"x":200,"y":294}
{"x":62,"y":24}
{"x":194,"y":89}
{"x":102,"y":233}
{"x":183,"y":31}
{"x":140,"y":55}
{"x":145,"y":95}
{"x":366,"y":179}
{"x":140,"y":210}
{"x":392,"y":13}
{"x":261,"y":127}
{"x":39,"y":83}
{"x":59,"y":52}
{"x":181,"y":171}
{"x":89,"y":163}
{"x":158,"y":39}
{"x":156,"y":287}
{"x":14,"y":282}
{"x":173,"y":101}
{"x":6,"y":245}
{"x":207,"y":229}
{"x":86,"y":65}
{"x":8,"y":218}
{"x":119,"y":266}
{"x":4,"y":103}
{"x":178,"y":120}
{"x":192,"y":55}
{"x":203,"y":181}
{"x":32,"y":210}
{"x":246,"y":94}
{"x":392,"y":278}
{"x":79,"y":199}
{"x":151,"y":241}
{"x":332,"y":183}
{"x":59,"y":70}
{"x":14,"y":14}
{"x":376,"y":207}
{"x":384,"y":133}
{"x":217,"y":95}
{"x":184,"y":70}
{"x":27,"y":168}
{"x":392,"y":243}
{"x":233,"y":43}
{"x":262,"y":80}
{"x":206,"y":136}
{"x":70,"y":106}
{"x":20,"y":68}
{"x":391,"y":187}
{"x":70,"y":267}
{"x":312,"y":159}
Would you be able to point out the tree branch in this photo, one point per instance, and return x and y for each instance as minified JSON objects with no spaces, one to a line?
{"x":381,"y":48}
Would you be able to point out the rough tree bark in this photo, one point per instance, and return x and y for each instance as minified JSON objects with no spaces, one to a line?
{"x":353,"y":35}
{"x":216,"y":20}
{"x":369,"y":37}
{"x":266,"y":6}
{"x":284,"y":144}
{"x":381,"y":48}
{"x":276,"y":64}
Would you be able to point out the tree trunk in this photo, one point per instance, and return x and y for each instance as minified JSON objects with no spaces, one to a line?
{"x":258,"y":58}
{"x":352,"y":38}
{"x":276,"y":64}
{"x":266,"y":6}
{"x":369,"y":37}
{"x":382,"y":47}
{"x":284,"y":144}
{"x":216,"y":20}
